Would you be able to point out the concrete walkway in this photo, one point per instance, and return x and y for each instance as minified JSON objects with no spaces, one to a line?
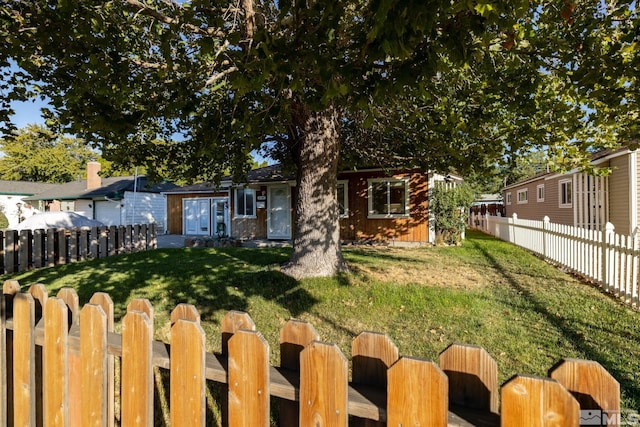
{"x":177,"y":241}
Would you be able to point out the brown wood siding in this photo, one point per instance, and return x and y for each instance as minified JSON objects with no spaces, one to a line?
{"x":174,"y":208}
{"x":359,"y":227}
{"x":619,"y":207}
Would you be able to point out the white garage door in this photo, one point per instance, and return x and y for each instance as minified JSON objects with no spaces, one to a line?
{"x":84,"y":208}
{"x":108,"y":213}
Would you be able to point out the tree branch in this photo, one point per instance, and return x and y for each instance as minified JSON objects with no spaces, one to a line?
{"x":214,"y":78}
{"x":143,"y":9}
{"x":249,"y":24}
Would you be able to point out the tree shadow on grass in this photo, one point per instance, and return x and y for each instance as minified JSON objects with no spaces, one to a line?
{"x":213,"y":280}
{"x":591,"y":350}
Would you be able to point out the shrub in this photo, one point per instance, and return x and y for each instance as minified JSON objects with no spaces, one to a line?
{"x":450,"y":207}
{"x":4,"y":221}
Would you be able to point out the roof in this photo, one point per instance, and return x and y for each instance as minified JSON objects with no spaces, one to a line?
{"x":272,"y":173}
{"x":23,"y":188}
{"x":113,"y":188}
{"x":264,"y":175}
{"x":487,"y":198}
{"x":596,"y":158}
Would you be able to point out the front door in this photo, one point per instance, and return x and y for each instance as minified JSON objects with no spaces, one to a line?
{"x":279,"y":212}
{"x":197,"y":216}
{"x":220,"y":217}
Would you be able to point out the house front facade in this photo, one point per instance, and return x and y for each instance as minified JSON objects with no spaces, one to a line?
{"x":373,"y":205}
{"x":582,"y":200}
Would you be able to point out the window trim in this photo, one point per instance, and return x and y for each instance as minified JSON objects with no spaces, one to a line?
{"x":525,"y":200}
{"x":562,"y":184}
{"x":508,"y":197}
{"x":538,"y":188}
{"x":235,"y":205}
{"x":345,"y":200}
{"x":372,"y":181}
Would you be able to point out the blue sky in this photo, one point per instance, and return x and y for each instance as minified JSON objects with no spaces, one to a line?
{"x":27,"y":113}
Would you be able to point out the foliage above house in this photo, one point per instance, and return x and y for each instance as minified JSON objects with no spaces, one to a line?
{"x":37,"y":154}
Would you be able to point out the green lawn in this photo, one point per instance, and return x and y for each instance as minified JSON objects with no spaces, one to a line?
{"x":524,"y":312}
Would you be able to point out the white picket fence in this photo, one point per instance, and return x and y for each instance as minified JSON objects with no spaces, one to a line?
{"x":608,"y":258}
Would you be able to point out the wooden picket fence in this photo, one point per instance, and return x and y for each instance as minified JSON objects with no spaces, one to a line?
{"x":26,"y":250}
{"x":57,"y":365}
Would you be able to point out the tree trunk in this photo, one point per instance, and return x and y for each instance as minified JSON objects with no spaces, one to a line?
{"x":316,"y":238}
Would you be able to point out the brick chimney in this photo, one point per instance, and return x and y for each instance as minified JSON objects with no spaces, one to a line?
{"x":93,"y":179}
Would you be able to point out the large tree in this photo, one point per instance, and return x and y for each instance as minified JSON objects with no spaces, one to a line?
{"x":320,"y":85}
{"x":34,"y":153}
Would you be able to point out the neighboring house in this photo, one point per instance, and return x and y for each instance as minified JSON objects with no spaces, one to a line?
{"x":112,"y":201}
{"x":373,"y":206}
{"x":12,"y":203}
{"x":581,"y":200}
{"x":488,"y":203}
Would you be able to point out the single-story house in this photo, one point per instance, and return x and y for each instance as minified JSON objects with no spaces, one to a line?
{"x":12,"y":203}
{"x":374,"y":205}
{"x":577,"y":199}
{"x":119,"y":200}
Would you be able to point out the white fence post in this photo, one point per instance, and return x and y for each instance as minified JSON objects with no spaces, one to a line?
{"x":634,"y":269}
{"x":545,"y":227}
{"x":512,"y":237}
{"x":606,"y":262}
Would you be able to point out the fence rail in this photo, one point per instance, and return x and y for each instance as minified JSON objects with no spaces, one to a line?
{"x":57,"y":364}
{"x":608,"y":258}
{"x":26,"y":250}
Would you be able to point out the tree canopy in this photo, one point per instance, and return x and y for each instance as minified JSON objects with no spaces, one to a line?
{"x":197,"y":85}
{"x":36,"y":154}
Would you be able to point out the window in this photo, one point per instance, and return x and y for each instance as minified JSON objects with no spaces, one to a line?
{"x":523,"y":196}
{"x":388,"y":198}
{"x":245,"y":203}
{"x":343,"y":198}
{"x":565,"y":191}
{"x":508,"y":198}
{"x":540,"y":189}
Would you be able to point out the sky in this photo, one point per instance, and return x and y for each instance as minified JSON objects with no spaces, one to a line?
{"x":27,"y":113}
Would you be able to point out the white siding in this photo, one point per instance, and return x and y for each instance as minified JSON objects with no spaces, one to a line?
{"x":109,"y":213}
{"x":144,"y":208}
{"x":84,"y":208}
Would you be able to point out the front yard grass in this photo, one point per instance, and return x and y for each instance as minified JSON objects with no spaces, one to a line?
{"x":527,"y":314}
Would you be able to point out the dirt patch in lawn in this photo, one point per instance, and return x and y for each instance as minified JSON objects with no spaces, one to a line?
{"x":421,"y":266}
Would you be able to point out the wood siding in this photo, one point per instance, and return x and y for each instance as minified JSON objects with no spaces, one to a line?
{"x":358,"y":226}
{"x":619,"y":208}
{"x":538,"y":210}
{"x":174,"y":208}
{"x":532,"y":209}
